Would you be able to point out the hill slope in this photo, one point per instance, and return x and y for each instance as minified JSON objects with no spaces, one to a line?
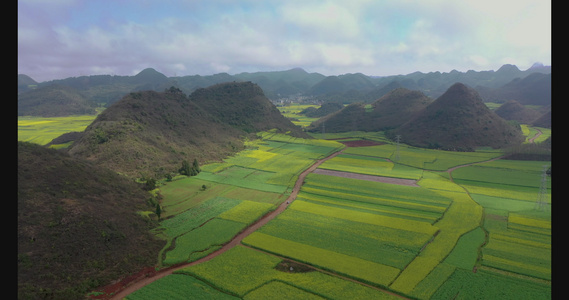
{"x":150,"y":133}
{"x":389,"y":111}
{"x":61,"y":198}
{"x":54,"y":101}
{"x":513,"y":110}
{"x":458,"y":120}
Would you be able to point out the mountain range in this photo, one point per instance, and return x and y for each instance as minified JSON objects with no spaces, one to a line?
{"x":507,"y":83}
{"x":78,"y":226}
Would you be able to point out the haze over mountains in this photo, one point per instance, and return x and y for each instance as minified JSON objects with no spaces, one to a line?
{"x":506,"y":83}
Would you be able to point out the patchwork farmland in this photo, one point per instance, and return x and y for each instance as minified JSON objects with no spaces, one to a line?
{"x":467,"y":227}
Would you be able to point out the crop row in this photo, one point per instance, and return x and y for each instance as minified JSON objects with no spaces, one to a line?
{"x":200,"y":229}
{"x":374,"y":243}
{"x":179,"y":286}
{"x":344,"y":264}
{"x":499,"y":176}
{"x":362,"y":217}
{"x":244,"y":272}
{"x":465,"y":284}
{"x":376,"y":189}
{"x":374,"y":208}
{"x":190,"y":246}
{"x":371,"y":166}
{"x":427,"y":159}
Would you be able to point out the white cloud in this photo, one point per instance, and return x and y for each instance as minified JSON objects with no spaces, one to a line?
{"x":206,"y":37}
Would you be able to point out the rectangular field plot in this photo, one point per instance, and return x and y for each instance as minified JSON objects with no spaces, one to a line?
{"x":191,"y":246}
{"x":179,"y":286}
{"x":500,"y":176}
{"x":371,"y":207}
{"x":40,"y":130}
{"x":464,"y":284}
{"x":374,"y":243}
{"x":344,"y":264}
{"x":243,"y":271}
{"x":371,"y":166}
{"x":368,"y":218}
{"x":428,"y":159}
{"x":398,"y":199}
{"x":194,"y":217}
{"x":245,"y":178}
{"x":246,"y":212}
{"x":279,"y":290}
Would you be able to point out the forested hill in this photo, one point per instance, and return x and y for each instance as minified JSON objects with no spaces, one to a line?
{"x":78,"y":226}
{"x":458,"y":120}
{"x":149,"y":134}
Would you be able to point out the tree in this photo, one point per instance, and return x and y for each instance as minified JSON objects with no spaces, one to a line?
{"x":196,"y":166}
{"x":185,"y":169}
{"x":158,"y":210}
{"x":188,"y":170}
{"x":150,"y":184}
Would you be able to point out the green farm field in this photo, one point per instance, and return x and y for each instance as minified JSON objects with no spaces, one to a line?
{"x":476,"y":225}
{"x":41,"y":130}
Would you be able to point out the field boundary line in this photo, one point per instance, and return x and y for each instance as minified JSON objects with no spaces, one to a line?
{"x":133,"y":286}
{"x":331,"y":273}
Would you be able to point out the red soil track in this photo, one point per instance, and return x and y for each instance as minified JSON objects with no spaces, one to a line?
{"x":132,"y":283}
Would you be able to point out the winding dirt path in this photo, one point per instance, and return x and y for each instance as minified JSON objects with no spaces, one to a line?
{"x":149,"y":277}
{"x":535,"y":136}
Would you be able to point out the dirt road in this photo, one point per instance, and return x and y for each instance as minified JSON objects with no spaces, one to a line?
{"x":124,"y":290}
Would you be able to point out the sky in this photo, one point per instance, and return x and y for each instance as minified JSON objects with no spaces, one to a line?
{"x":58,"y":39}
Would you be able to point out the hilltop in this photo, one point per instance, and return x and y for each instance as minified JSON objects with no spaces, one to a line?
{"x":387,"y":112}
{"x":458,"y":120}
{"x":149,"y":134}
{"x":77,"y":225}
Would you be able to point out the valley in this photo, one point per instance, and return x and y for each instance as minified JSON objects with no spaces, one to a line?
{"x":448,"y":200}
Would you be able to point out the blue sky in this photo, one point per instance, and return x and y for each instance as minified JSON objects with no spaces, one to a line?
{"x":64,"y":38}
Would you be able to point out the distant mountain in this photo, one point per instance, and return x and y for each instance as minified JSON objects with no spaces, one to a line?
{"x":533,"y":89}
{"x":149,"y":134}
{"x":150,"y":79}
{"x":387,"y":112}
{"x":513,"y":110}
{"x":282,"y":84}
{"x":25,"y":83}
{"x":54,"y":101}
{"x":544,"y":120}
{"x":78,"y":226}
{"x":299,"y":84}
{"x":458,"y":120}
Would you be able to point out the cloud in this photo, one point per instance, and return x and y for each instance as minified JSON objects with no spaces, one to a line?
{"x":72,"y":38}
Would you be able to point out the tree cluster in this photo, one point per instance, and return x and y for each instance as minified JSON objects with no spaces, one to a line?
{"x":190,"y":170}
